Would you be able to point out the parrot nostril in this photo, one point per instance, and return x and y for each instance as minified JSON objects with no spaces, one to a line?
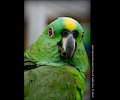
{"x":75,"y":34}
{"x":65,"y":33}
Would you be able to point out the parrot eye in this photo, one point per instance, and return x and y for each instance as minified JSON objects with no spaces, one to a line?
{"x":82,"y":36}
{"x":51,"y":32}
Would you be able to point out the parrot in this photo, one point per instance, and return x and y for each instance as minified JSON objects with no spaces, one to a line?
{"x":55,"y":64}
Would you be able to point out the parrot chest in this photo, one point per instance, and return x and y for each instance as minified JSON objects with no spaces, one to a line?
{"x":49,"y":83}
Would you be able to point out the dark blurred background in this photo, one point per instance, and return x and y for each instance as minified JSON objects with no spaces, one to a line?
{"x":38,"y":14}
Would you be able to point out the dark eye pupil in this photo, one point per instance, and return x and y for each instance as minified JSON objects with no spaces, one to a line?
{"x":82,"y":34}
{"x":50,"y":32}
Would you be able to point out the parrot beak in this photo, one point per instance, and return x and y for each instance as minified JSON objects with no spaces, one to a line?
{"x":68,"y":46}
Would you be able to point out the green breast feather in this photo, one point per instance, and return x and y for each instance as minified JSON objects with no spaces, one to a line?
{"x":56,"y":62}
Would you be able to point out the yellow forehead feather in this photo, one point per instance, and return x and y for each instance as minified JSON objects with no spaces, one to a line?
{"x":69,"y":24}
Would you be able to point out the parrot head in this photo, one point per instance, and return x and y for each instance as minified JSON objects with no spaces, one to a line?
{"x":61,"y":43}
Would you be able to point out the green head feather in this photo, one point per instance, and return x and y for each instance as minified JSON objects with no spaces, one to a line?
{"x":45,"y":50}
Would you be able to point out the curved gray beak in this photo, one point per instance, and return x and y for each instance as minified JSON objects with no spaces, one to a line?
{"x":68,"y":45}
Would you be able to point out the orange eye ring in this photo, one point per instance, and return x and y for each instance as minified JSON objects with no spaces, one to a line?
{"x":82,"y":36}
{"x":51,"y":32}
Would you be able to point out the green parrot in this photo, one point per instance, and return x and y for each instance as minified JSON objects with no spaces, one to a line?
{"x":55,"y":64}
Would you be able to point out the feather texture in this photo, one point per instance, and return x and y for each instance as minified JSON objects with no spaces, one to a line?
{"x":53,"y":83}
